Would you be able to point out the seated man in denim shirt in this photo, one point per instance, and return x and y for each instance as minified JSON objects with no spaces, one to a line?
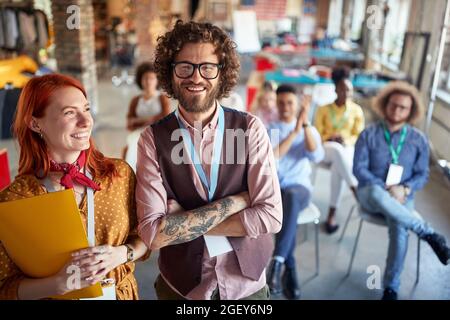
{"x":391,"y":164}
{"x":295,"y":143}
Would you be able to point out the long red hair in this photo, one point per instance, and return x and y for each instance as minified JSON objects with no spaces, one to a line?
{"x":34,"y":157}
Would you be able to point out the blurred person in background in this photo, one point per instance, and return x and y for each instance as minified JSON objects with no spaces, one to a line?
{"x":145,"y":109}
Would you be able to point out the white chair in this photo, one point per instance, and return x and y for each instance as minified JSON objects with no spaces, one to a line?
{"x":377,"y":219}
{"x":311,"y":215}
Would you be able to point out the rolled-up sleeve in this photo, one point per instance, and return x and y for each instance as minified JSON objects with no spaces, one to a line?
{"x":266,"y":213}
{"x":421,"y":168}
{"x":317,"y":155}
{"x":151,"y":196}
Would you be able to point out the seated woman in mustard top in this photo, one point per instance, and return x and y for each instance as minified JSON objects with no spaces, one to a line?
{"x":53,"y":127}
{"x":339,"y":125}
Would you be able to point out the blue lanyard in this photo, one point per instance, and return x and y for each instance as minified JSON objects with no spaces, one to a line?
{"x":218,"y":140}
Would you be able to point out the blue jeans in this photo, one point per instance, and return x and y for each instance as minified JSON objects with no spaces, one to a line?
{"x":295,"y":200}
{"x":399,"y":218}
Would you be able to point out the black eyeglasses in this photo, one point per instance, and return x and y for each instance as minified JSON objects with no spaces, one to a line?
{"x":184,"y":69}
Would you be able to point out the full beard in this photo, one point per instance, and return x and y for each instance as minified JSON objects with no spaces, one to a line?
{"x":195,"y":104}
{"x":392,"y":120}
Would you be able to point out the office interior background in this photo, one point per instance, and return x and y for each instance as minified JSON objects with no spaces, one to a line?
{"x":100,"y":42}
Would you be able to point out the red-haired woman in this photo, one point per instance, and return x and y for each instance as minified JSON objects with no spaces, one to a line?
{"x":53,"y":127}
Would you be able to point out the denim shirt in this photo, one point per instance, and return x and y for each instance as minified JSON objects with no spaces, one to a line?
{"x":294,"y":167}
{"x":372,"y":157}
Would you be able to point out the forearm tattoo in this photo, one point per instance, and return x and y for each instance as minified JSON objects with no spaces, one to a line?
{"x":225,"y":208}
{"x":192,"y":224}
{"x":173,"y":223}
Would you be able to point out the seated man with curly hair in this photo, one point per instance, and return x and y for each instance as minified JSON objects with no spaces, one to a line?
{"x":391,"y":164}
{"x":207,"y":189}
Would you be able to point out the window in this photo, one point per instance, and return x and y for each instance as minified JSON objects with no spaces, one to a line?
{"x":444,"y":76}
{"x":334,"y":18}
{"x":394,"y":30}
{"x":359,"y":12}
{"x":46,"y":6}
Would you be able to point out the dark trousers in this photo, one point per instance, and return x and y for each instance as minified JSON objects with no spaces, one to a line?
{"x":295,"y":200}
{"x":165,"y":292}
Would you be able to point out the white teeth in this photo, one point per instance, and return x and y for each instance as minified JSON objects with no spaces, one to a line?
{"x":195,"y":88}
{"x":80,"y":135}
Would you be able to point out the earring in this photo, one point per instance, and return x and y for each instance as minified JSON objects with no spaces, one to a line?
{"x":40,"y":135}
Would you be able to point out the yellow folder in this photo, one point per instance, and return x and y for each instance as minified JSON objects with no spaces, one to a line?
{"x":41,"y":232}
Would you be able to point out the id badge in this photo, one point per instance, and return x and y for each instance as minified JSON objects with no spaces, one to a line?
{"x":394,"y":176}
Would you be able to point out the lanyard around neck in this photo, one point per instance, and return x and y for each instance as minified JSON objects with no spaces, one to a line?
{"x":395,"y":153}
{"x":218,"y":139}
{"x":90,"y":208}
{"x":338,"y":125}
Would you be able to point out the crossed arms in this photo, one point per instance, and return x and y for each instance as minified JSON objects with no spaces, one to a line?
{"x":163,"y":222}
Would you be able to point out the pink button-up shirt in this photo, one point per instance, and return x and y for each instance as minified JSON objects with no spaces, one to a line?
{"x":264,"y":215}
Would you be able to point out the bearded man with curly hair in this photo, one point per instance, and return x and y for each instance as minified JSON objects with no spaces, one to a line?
{"x":207,"y":193}
{"x":391,"y":164}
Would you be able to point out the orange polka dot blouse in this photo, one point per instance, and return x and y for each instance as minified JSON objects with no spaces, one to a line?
{"x":115,"y":222}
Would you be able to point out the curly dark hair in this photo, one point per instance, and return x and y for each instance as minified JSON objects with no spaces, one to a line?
{"x":173,"y":41}
{"x":340,"y":73}
{"x":286,"y":88}
{"x":142,"y":69}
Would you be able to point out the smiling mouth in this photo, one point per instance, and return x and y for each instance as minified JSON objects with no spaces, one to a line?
{"x":193,"y":89}
{"x":80,"y":136}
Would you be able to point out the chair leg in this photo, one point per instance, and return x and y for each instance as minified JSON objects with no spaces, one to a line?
{"x":418,"y":261}
{"x":316,"y":226}
{"x":347,"y":221}
{"x":306,"y":232}
{"x":354,"y":248}
{"x":303,"y":228}
{"x":314,"y":174}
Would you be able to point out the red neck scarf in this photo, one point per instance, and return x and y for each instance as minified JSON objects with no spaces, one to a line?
{"x":71,"y":173}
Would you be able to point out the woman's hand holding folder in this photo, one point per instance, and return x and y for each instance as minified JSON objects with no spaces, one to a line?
{"x":68,"y":279}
